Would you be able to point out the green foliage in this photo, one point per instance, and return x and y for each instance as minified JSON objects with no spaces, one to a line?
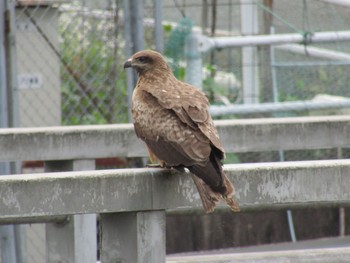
{"x":167,"y":28}
{"x":210,"y":87}
{"x":176,"y":44}
{"x":93,"y":86}
{"x":231,"y":158}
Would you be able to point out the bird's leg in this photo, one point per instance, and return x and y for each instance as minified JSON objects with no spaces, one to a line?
{"x":155,"y":161}
{"x":157,"y":165}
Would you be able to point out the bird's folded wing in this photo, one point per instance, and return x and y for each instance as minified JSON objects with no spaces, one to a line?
{"x":191,"y":107}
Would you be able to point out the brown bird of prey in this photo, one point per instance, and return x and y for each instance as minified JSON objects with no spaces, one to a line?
{"x":172,"y":118}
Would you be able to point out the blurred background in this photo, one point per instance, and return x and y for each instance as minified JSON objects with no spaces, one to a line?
{"x":66,"y":59}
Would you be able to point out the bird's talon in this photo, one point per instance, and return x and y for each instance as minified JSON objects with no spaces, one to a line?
{"x":154,"y":165}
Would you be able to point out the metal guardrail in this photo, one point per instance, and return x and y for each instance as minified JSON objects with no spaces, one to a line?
{"x":258,"y":186}
{"x":98,"y":141}
{"x":132,"y":202}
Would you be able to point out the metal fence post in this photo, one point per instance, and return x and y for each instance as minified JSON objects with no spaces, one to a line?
{"x":8,"y":250}
{"x":250,"y":71}
{"x":193,"y":60}
{"x":12,"y":237}
{"x":134,"y":39}
{"x":158,"y":26}
{"x":3,"y":81}
{"x":76,"y":239}
{"x":133,"y":237}
{"x":11,"y":60}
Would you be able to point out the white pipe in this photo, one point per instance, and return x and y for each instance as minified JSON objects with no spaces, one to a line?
{"x":250,"y":71}
{"x":241,"y":109}
{"x":315,"y":52}
{"x":338,"y":2}
{"x":222,"y":42}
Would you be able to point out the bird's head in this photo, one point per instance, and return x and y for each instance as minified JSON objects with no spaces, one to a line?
{"x":146,"y":60}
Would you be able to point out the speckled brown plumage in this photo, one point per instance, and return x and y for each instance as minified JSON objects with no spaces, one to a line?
{"x":172,"y":118}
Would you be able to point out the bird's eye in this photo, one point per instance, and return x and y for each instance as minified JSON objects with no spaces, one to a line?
{"x":142,"y":59}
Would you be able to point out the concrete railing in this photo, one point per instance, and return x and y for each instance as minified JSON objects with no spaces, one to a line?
{"x":90,"y":142}
{"x":132,"y":202}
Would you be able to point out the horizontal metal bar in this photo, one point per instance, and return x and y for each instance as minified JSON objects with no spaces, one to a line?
{"x":98,"y":141}
{"x":344,"y":3}
{"x":258,"y":186}
{"x":243,"y":109}
{"x":277,"y":39}
{"x":316,"y":52}
{"x":311,"y":64}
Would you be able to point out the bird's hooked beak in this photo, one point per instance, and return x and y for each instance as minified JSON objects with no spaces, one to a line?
{"x":127,"y":64}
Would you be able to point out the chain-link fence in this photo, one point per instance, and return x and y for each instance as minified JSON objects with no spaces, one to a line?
{"x":93,"y":82}
{"x":73,"y":53}
{"x":70,"y":56}
{"x":314,"y":72}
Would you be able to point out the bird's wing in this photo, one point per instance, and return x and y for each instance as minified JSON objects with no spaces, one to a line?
{"x":180,"y":132}
{"x":191,"y":107}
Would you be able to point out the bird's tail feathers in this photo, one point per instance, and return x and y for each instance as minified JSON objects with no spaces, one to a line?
{"x":210,"y":198}
{"x":229,"y":196}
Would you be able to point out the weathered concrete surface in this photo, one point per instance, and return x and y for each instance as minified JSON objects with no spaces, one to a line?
{"x":285,"y":133}
{"x":258,"y":186}
{"x":321,"y":255}
{"x":97,"y":141}
{"x":74,"y":240}
{"x":133,"y":237}
{"x":71,"y":142}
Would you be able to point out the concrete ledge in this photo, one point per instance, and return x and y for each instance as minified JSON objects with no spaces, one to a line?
{"x":321,"y":255}
{"x":258,"y":186}
{"x":98,"y":141}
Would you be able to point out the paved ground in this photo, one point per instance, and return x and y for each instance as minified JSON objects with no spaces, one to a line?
{"x":318,"y":250}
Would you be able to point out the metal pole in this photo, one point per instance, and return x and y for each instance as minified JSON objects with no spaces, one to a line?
{"x":158,"y":26}
{"x":3,"y":80}
{"x":10,"y":46}
{"x":344,"y":3}
{"x":278,"y":39}
{"x":13,"y":240}
{"x":128,"y":52}
{"x":134,"y":39}
{"x":273,"y":71}
{"x":193,"y":60}
{"x":315,"y":52}
{"x":136,"y":19}
{"x":250,"y":70}
{"x":241,"y":109}
{"x":8,"y":249}
{"x":20,"y":243}
{"x":342,"y":213}
{"x":7,"y":238}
